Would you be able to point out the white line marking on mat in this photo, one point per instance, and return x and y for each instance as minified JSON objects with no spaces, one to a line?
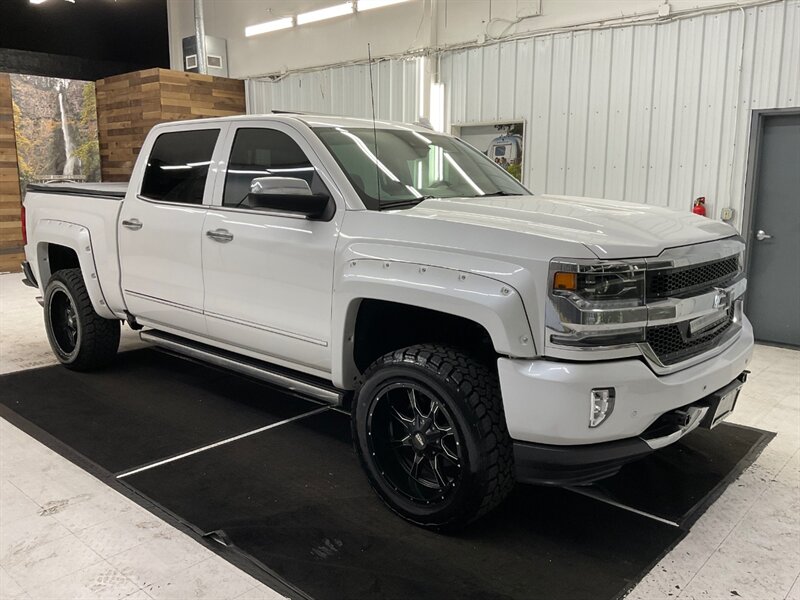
{"x":220,"y":443}
{"x":623,"y":506}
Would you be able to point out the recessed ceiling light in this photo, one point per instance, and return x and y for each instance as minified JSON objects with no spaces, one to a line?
{"x":268,"y":26}
{"x":329,"y":12}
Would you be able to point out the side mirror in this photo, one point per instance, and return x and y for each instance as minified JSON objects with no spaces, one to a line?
{"x":291,"y":195}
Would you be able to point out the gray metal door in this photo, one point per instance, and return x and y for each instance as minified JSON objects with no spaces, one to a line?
{"x":774,"y":273}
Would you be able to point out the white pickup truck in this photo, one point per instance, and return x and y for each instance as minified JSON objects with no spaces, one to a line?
{"x":479,"y":335}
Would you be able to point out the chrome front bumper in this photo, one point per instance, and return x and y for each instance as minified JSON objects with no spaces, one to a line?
{"x":694,"y":416}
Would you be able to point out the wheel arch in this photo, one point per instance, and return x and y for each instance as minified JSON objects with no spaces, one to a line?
{"x":63,"y":245}
{"x":400,"y":290}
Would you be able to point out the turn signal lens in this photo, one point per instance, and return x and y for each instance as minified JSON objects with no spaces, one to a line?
{"x":565,"y":281}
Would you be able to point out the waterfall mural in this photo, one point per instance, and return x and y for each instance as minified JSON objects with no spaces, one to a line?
{"x":55,"y":121}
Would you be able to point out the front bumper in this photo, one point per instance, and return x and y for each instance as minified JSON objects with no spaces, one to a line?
{"x":547,"y":402}
{"x":579,"y":465}
{"x":547,"y":409}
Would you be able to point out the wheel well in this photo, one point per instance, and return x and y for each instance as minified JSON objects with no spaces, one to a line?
{"x":61,"y":257}
{"x":383,"y":326}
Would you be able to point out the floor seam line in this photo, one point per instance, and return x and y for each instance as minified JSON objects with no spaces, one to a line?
{"x":791,"y":587}
{"x":625,"y":507}
{"x":235,"y":438}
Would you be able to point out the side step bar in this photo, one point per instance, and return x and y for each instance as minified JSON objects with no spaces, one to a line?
{"x":283,"y":378}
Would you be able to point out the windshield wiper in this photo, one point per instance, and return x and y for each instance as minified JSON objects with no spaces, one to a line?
{"x":404,"y":203}
{"x":497,"y":193}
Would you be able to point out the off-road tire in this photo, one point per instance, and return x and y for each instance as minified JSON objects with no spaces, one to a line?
{"x":96,"y":338}
{"x":470,"y":392}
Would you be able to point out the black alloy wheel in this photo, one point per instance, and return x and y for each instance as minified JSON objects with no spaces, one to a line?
{"x":81,"y":339}
{"x":414,"y":442}
{"x":64,"y":322}
{"x":430,"y":432}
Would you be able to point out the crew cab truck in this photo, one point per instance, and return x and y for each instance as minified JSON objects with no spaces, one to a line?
{"x":479,"y":334}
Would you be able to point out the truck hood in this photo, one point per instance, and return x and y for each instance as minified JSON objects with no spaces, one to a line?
{"x":610,"y":229}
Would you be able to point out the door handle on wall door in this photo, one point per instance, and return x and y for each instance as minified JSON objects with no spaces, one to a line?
{"x":222,"y":236}
{"x":132,"y":224}
{"x":762,"y":235}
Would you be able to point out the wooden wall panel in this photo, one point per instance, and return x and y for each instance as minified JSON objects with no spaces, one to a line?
{"x":129,"y":105}
{"x":10,"y":227}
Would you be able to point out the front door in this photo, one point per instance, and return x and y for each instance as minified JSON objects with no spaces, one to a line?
{"x":161,"y":227}
{"x":774,"y":273}
{"x":269,"y":276}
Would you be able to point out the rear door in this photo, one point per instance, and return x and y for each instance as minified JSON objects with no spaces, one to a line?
{"x":161,"y":227}
{"x":269,"y":276}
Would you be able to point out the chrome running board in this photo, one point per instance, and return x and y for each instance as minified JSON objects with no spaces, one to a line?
{"x":283,"y":378}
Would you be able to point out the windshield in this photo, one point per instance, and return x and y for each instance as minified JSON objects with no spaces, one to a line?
{"x":408,"y":166}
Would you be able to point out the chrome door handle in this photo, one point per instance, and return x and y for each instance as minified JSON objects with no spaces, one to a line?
{"x":761,"y":235}
{"x":222,"y":236}
{"x":132,"y":224}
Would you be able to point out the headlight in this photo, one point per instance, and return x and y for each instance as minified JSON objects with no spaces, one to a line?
{"x":615,"y":284}
{"x":596,"y":303}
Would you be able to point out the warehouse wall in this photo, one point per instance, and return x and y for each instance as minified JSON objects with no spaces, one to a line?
{"x":653,"y":113}
{"x":344,"y":91}
{"x":391,"y":30}
{"x":648,"y":113}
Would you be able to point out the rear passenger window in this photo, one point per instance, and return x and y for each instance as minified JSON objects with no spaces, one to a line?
{"x":265,"y":153}
{"x":178,"y":165}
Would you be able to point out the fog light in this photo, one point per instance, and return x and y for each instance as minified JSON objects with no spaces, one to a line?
{"x":601,"y":405}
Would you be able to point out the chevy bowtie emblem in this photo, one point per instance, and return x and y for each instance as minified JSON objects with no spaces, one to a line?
{"x":720,"y":298}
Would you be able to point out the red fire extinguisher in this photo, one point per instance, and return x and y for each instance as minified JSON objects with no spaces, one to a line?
{"x":699,"y":207}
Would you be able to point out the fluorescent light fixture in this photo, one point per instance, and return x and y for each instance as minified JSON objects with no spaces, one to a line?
{"x":363,"y":5}
{"x":329,"y":12}
{"x":421,"y":85}
{"x":38,"y":1}
{"x":277,"y":24}
{"x":437,"y":106}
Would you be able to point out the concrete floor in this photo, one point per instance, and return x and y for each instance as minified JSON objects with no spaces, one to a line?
{"x":64,"y":534}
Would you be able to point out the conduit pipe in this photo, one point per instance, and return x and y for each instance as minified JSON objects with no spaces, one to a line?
{"x":200,"y":35}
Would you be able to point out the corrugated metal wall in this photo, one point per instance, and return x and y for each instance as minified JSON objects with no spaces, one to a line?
{"x":344,"y":91}
{"x":655,"y":113}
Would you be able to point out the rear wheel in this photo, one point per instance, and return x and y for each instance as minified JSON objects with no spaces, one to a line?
{"x":80,"y":338}
{"x":429,"y":428}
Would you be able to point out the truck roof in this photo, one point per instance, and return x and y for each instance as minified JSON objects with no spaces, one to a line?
{"x":312,"y":120}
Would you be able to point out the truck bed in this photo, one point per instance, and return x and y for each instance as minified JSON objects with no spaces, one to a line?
{"x":82,"y":217}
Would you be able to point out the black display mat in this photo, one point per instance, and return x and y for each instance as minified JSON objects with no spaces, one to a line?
{"x":147,"y":406}
{"x":678,"y":482}
{"x":296,"y":511}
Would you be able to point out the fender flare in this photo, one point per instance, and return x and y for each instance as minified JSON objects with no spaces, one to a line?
{"x":79,"y":239}
{"x":491,"y":303}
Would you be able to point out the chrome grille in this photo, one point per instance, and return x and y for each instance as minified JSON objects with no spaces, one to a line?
{"x":673,"y":344}
{"x":662,"y":283}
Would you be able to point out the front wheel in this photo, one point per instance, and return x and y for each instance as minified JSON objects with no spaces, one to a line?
{"x":81,"y":339}
{"x":429,"y":429}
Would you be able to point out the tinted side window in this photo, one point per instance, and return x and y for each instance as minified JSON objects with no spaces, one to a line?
{"x":265,"y":153}
{"x":178,"y":165}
